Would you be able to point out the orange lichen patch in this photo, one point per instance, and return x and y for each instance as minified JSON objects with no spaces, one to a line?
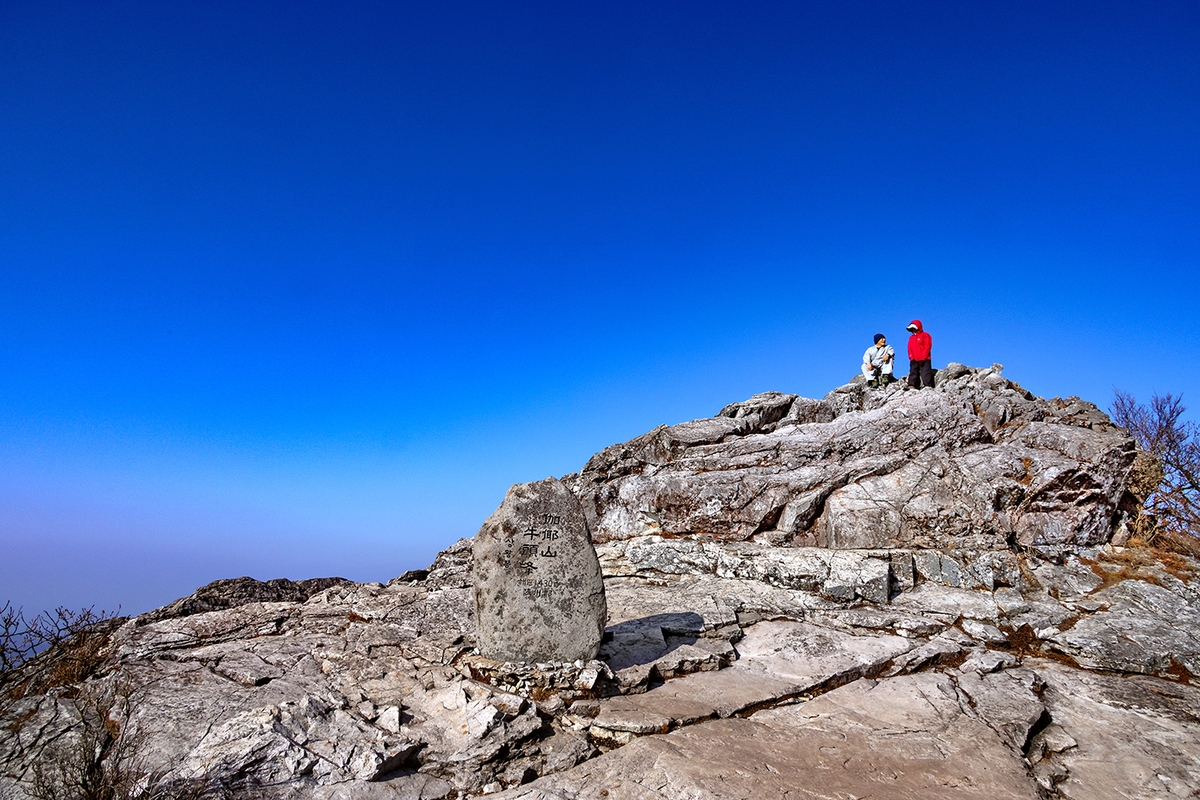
{"x":1136,"y":554}
{"x":1185,"y":569}
{"x":1022,"y":641}
{"x":353,"y":617}
{"x":1112,"y":577}
{"x":1026,"y":479}
{"x":540,"y":693}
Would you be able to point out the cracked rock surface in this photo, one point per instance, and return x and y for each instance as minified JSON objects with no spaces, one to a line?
{"x":974,"y":464}
{"x":952,"y":650}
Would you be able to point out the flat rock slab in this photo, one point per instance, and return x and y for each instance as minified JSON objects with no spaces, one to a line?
{"x":948,"y":603}
{"x":539,"y":595}
{"x":904,"y":739}
{"x":811,"y":655}
{"x":777,"y":660}
{"x":691,"y":698}
{"x":1117,"y":736}
{"x":1147,"y":629}
{"x":691,"y":601}
{"x":1006,"y":700}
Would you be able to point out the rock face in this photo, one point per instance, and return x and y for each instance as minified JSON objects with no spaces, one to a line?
{"x":539,"y":595}
{"x":234,"y":592}
{"x":979,"y":636}
{"x":976,"y":464}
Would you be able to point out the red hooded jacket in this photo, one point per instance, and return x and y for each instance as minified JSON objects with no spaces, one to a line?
{"x":920,"y":344}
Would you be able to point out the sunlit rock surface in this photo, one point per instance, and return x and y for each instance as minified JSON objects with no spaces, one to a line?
{"x":975,"y":464}
{"x":882,"y":593}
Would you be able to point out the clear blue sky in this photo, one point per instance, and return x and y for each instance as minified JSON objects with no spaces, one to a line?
{"x":301,"y":288}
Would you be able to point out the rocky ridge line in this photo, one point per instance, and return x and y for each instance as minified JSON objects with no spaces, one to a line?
{"x":745,"y":656}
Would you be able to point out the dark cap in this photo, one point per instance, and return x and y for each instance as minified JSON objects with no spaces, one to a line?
{"x":879,"y":336}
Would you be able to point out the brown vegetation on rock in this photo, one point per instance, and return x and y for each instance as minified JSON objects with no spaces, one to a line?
{"x":1168,"y":483}
{"x":52,"y":649}
{"x":103,"y":757}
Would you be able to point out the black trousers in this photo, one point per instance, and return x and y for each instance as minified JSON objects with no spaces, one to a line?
{"x":920,"y":373}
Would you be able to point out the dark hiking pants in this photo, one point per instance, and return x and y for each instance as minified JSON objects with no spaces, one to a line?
{"x":920,"y":373}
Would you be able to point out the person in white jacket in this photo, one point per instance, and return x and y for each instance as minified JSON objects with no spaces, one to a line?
{"x":879,"y":362}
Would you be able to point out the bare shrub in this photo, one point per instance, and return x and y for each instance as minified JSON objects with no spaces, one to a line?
{"x":102,"y":755}
{"x":58,"y":648}
{"x":91,"y":761}
{"x":1174,"y":500}
{"x":102,"y":758}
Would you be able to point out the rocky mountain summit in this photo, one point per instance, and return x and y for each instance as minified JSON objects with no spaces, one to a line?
{"x":882,"y":593}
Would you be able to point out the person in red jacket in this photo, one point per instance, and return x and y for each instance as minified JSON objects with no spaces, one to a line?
{"x":920,"y":363}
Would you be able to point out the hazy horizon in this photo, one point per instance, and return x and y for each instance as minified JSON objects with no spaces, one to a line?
{"x":299,"y":291}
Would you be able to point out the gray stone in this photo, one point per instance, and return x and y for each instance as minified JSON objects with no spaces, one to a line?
{"x":812,"y":656}
{"x":985,"y":661}
{"x":1146,"y":628}
{"x":908,"y":625}
{"x":906,"y":737}
{"x":1010,"y":601}
{"x":942,"y":649}
{"x":1007,"y":701}
{"x":539,"y":595}
{"x":842,"y":576}
{"x":968,"y":466}
{"x":984,"y":632}
{"x":777,"y":661}
{"x":1117,"y":736}
{"x":948,"y":603}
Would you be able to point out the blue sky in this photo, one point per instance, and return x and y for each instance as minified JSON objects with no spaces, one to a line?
{"x":300,"y":289}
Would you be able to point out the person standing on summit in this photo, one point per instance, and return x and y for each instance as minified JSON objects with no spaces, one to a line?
{"x":920,"y":347}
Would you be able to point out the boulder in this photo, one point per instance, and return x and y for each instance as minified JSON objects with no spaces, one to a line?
{"x":539,"y":595}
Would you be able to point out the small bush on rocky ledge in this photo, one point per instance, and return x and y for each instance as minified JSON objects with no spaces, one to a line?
{"x":102,"y":758}
{"x":52,"y":649}
{"x":1173,"y":501}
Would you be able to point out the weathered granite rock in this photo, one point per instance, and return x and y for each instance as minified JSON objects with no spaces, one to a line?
{"x":905,"y":737}
{"x":1116,"y":736}
{"x":234,"y":592}
{"x":1007,"y":701}
{"x":942,"y":660}
{"x":539,"y":595}
{"x":776,"y":661}
{"x":1144,"y":628}
{"x":366,"y":691}
{"x":974,"y":464}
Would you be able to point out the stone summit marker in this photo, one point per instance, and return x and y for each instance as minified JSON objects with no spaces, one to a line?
{"x":539,"y":595}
